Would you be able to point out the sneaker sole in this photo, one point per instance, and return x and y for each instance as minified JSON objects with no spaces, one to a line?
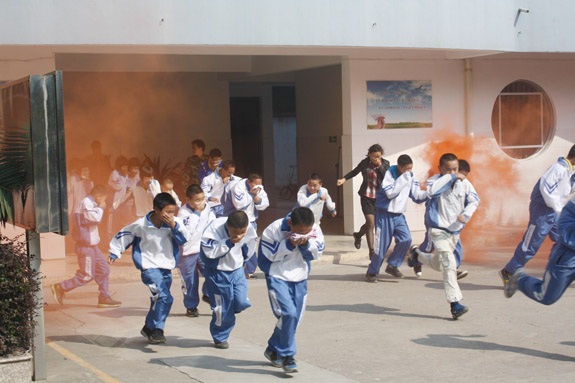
{"x":462,"y":275}
{"x":153,"y":341}
{"x":396,"y":276}
{"x":105,"y":306}
{"x":456,"y":316}
{"x":192,"y":316}
{"x":56,"y":296}
{"x":289,"y":370}
{"x":222,"y":346}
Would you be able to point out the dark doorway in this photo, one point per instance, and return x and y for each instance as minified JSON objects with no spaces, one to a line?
{"x":245,"y":118}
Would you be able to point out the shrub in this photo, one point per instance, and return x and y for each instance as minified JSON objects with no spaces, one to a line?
{"x":18,"y":287}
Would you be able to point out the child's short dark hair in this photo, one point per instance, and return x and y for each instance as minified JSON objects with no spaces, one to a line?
{"x":571,"y":153}
{"x":193,"y":189}
{"x":446,"y":158}
{"x":315,"y":176}
{"x":133,"y":162}
{"x":464,"y":165}
{"x":215,"y":152}
{"x":99,"y":190}
{"x":167,"y":181}
{"x":238,"y":220}
{"x":161,"y":200}
{"x":199,"y":143}
{"x":146,"y":171}
{"x":375,"y":148}
{"x":254,"y":176}
{"x":120,"y":161}
{"x":302,"y":216}
{"x":228,"y":164}
{"x":404,"y":159}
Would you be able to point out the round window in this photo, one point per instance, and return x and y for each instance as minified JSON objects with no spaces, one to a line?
{"x":523,"y":119}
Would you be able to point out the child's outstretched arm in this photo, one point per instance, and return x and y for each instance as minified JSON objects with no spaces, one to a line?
{"x":303,"y":200}
{"x":121,"y":242}
{"x":416,"y":194}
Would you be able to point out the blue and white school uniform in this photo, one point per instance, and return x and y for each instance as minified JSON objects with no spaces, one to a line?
{"x":448,"y":199}
{"x":314,"y":201}
{"x":560,"y":270}
{"x":243,"y":200}
{"x":547,"y":200}
{"x":92,"y":264}
{"x":225,"y":278}
{"x":287,"y":268}
{"x":390,"y":204}
{"x":189,"y":263}
{"x":155,"y":252}
{"x":213,"y":186}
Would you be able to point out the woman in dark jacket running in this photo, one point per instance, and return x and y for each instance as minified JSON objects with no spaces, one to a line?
{"x":372,"y":168}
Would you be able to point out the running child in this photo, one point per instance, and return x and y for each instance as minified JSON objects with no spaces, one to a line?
{"x":314,"y":196}
{"x":397,"y":186}
{"x":167,"y":186}
{"x":452,"y":203}
{"x":215,"y":183}
{"x":91,"y":262}
{"x":156,"y":239}
{"x":226,"y":244}
{"x":196,"y":215}
{"x":286,"y":249}
{"x":548,"y":197}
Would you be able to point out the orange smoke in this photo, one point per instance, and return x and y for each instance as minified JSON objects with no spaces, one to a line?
{"x":487,"y":237}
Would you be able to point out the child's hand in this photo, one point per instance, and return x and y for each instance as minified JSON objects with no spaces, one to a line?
{"x":297,"y":242}
{"x":334,"y":214}
{"x":460,"y":176}
{"x":256,"y":199}
{"x":102,"y":204}
{"x":227,"y":179}
{"x":322,"y":197}
{"x":462,"y":218}
{"x":214,"y":199}
{"x":111,"y":260}
{"x":168,"y":219}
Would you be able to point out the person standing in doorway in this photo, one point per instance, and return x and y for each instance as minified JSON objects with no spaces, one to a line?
{"x":373,"y":169}
{"x":192,"y":165}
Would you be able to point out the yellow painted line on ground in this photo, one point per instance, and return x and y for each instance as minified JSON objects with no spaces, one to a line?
{"x":105,"y":377}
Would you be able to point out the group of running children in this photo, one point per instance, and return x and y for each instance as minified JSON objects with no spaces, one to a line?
{"x":214,"y":233}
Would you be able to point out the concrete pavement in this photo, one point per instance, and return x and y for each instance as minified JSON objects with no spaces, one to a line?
{"x":352,"y":331}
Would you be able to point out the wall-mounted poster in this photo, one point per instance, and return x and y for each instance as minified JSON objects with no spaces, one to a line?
{"x":399,"y":104}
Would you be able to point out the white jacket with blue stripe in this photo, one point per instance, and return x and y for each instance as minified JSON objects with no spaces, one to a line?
{"x":243,"y":200}
{"x":555,"y":185}
{"x":314,"y":201}
{"x":448,"y":199}
{"x":152,"y":247}
{"x":196,"y":222}
{"x":279,"y":259}
{"x":397,"y":189}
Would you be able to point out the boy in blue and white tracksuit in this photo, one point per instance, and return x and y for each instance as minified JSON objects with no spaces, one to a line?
{"x":560,"y":270}
{"x":314,"y":196}
{"x":214,"y":185}
{"x":226,"y":243}
{"x":547,"y":199}
{"x":92,"y":263}
{"x":398,"y":185}
{"x":249,"y":196}
{"x":155,"y":240}
{"x":453,"y":201}
{"x":287,"y":247}
{"x":196,"y":215}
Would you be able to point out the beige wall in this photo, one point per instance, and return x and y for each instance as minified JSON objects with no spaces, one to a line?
{"x":158,"y":114}
{"x":319,"y":116}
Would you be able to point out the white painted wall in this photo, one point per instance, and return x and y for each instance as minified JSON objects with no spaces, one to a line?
{"x":447,"y":77}
{"x":449,"y":24}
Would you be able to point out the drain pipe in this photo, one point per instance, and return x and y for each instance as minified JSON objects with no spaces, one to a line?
{"x":468,"y":97}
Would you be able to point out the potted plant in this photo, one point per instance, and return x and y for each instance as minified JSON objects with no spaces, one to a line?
{"x":18,"y":287}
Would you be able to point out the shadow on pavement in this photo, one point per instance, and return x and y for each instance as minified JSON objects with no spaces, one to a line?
{"x":466,"y":342}
{"x":568,"y":343}
{"x":135,"y":343}
{"x":207,"y":362}
{"x":369,"y":308}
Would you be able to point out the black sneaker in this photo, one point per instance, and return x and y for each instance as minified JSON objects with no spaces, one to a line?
{"x":462,"y":274}
{"x":272,"y":356}
{"x":157,"y":336}
{"x":357,"y":240}
{"x":372,"y":278}
{"x":393,"y":271}
{"x":206,"y":299}
{"x":289,"y":365}
{"x":107,"y":303}
{"x":146,"y":333}
{"x":222,"y":345}
{"x":192,"y":313}
{"x":58,"y":292}
{"x":505,"y":275}
{"x":513,"y":284}
{"x":417,"y":271}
